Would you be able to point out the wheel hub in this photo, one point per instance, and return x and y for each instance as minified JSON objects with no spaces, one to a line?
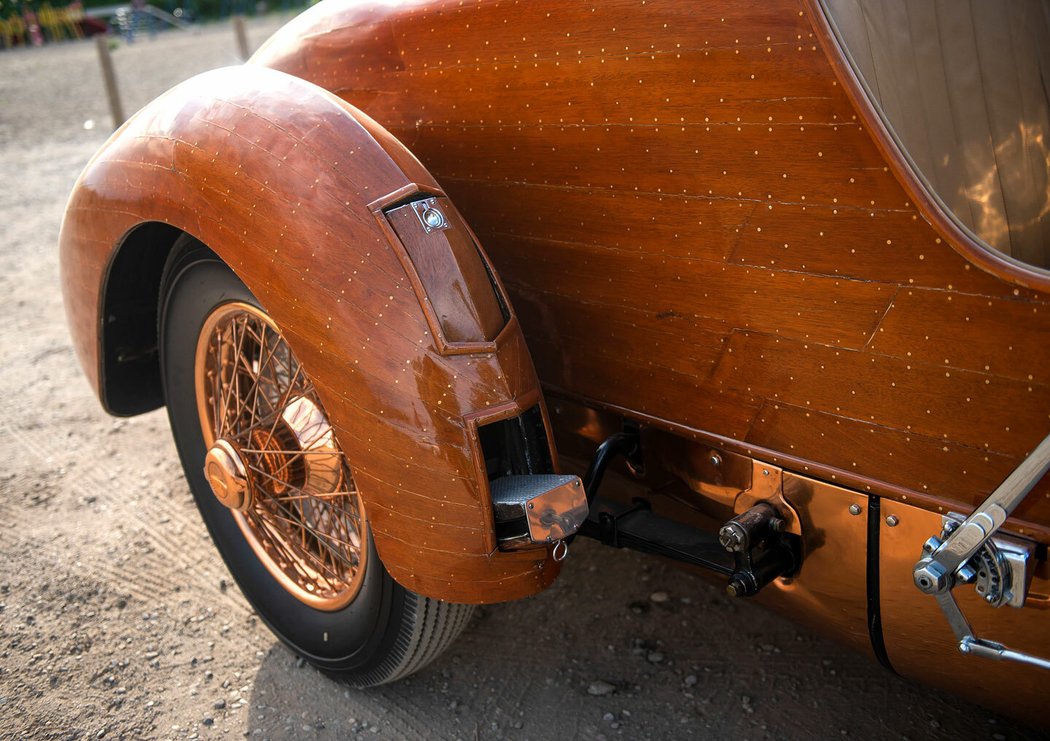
{"x":297,"y":452}
{"x":227,"y":475}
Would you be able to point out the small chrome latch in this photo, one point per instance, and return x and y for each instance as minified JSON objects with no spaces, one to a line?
{"x":430,"y":216}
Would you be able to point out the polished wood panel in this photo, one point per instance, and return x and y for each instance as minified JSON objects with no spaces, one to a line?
{"x":450,"y":269}
{"x":705,"y":226}
{"x":278,"y":177}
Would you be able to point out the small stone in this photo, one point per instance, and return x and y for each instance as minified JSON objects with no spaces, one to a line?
{"x":655,"y":657}
{"x":600,"y":689}
{"x":208,"y":720}
{"x":608,"y":717}
{"x":659,"y":597}
{"x":220,"y":705}
{"x":691,"y":680}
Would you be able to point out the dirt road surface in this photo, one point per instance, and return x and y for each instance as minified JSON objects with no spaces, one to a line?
{"x":118,"y":619}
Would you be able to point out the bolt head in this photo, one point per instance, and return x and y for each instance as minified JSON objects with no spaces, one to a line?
{"x":855,"y":509}
{"x":892,"y":521}
{"x":731,"y":537}
{"x":715,"y":459}
{"x":930,"y":577}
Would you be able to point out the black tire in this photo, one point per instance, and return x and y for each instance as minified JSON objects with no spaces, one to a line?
{"x":386,"y":632}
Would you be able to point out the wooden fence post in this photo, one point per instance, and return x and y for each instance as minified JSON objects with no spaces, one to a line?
{"x":242,"y":36}
{"x":110,"y":79}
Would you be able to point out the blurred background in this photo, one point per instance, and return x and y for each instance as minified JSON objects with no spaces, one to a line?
{"x":38,"y":22}
{"x":119,"y":620}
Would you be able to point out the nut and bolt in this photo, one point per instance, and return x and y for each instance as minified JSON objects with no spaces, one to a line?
{"x":732,"y":537}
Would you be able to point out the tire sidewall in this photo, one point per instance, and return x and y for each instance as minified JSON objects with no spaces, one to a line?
{"x":355,"y":639}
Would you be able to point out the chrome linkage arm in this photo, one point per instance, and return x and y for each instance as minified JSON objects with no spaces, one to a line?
{"x":972,"y":645}
{"x":953,"y":559}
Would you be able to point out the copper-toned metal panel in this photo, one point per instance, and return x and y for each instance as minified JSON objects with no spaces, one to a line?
{"x":277,"y":177}
{"x":710,"y":485}
{"x":665,"y":186}
{"x":829,"y":593}
{"x":921,"y":645}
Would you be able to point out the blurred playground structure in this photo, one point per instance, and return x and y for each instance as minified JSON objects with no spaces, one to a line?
{"x":34,"y":23}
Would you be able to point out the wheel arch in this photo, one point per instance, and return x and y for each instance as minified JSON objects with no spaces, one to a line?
{"x":129,"y":372}
{"x":281,"y":180}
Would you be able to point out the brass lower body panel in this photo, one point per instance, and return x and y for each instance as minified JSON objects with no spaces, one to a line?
{"x":920,"y":644}
{"x":829,"y":593}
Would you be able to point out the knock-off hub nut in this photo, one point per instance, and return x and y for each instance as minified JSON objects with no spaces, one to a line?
{"x":224,"y":468}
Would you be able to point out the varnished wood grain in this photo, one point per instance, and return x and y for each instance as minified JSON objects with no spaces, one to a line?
{"x":671,"y":191}
{"x":701,"y":221}
{"x":277,"y":176}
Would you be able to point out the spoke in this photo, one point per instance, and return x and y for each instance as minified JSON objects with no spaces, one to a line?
{"x":299,"y":522}
{"x":279,"y":502}
{"x":316,"y":540}
{"x":307,"y":530}
{"x":282,"y":404}
{"x":294,"y":556}
{"x":311,"y":557}
{"x":217,"y":387}
{"x":222,"y":367}
{"x":238,"y":396}
{"x":263,"y":364}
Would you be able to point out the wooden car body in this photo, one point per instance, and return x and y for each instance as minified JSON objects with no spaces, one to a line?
{"x":705,"y":227}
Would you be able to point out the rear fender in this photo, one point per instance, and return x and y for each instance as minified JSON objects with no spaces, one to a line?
{"x":288,"y":185}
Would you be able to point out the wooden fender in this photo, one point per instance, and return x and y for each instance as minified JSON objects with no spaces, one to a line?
{"x":286,"y":182}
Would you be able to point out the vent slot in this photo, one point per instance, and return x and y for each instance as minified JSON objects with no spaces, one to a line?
{"x":516,"y":446}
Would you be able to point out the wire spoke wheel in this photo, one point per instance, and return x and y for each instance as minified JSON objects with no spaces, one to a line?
{"x":273,"y":460}
{"x":275,"y":489}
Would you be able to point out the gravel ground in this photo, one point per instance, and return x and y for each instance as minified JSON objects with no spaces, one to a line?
{"x":118,"y":619}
